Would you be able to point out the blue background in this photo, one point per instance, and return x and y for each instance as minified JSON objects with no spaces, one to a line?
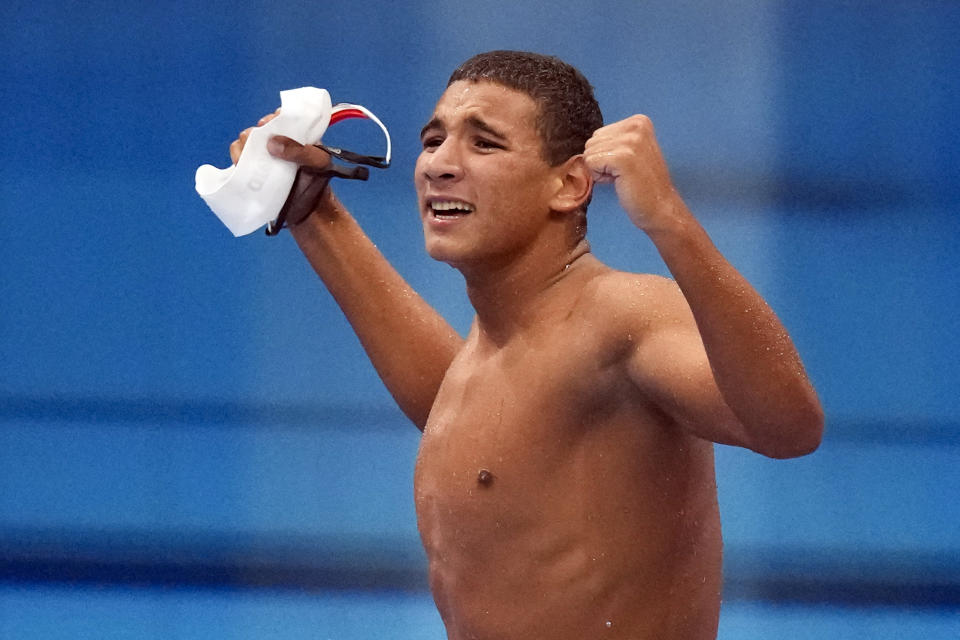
{"x":192,"y":443}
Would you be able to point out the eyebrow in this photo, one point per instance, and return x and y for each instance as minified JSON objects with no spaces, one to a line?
{"x":433,"y":124}
{"x":472,"y":121}
{"x":477,"y":123}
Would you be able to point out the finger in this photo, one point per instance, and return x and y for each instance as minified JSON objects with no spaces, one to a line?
{"x":267,"y":118}
{"x":601,"y":147}
{"x":600,"y":167}
{"x":607,"y":131}
{"x":602,"y":142}
{"x":305,"y":155}
{"x":603,"y":178}
{"x":236,"y":147}
{"x":242,"y":137}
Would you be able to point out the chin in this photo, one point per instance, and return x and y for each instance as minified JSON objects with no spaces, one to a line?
{"x":441,"y":253}
{"x":443,"y":250}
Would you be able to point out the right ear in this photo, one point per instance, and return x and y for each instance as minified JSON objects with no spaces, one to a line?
{"x":576,"y":185}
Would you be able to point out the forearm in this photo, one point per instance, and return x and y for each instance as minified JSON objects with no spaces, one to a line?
{"x":408,"y":342}
{"x":754,"y":362}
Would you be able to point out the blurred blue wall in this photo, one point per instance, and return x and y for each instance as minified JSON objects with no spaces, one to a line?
{"x":177,"y":400}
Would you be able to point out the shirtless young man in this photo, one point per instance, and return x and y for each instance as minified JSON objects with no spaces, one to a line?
{"x":565,"y":483}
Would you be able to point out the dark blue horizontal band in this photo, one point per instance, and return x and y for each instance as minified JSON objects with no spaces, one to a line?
{"x":88,"y":409}
{"x":230,"y":561}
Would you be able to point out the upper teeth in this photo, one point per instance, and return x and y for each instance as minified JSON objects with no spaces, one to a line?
{"x":447,"y":205}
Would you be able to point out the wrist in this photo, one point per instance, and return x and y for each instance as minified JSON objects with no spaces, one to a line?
{"x":327,"y":208}
{"x":679,"y":239}
{"x":666,"y":215}
{"x":324,"y":223}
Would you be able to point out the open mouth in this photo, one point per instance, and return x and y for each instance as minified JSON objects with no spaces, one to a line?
{"x":449,"y":209}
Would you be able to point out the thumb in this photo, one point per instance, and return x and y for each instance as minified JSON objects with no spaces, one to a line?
{"x":603,"y":174}
{"x":306,"y":155}
{"x":600,"y":167}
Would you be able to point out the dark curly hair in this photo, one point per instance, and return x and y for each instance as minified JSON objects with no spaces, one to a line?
{"x":568,"y":114}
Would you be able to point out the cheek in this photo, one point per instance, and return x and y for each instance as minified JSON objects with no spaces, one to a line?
{"x":509,"y":179}
{"x":418,"y":172}
{"x":520,"y":184}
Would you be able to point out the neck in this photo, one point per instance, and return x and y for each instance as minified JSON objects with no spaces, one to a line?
{"x":509,"y":297}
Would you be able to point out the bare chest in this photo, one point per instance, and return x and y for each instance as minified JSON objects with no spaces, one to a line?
{"x":531,"y":477}
{"x":504,"y":433}
{"x":520,"y":408}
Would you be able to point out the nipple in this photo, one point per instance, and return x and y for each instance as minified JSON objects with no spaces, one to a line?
{"x":484,"y":477}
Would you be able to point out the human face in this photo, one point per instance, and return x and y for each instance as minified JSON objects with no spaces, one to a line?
{"x":483,"y":186}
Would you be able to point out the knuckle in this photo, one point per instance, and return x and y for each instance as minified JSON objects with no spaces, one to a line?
{"x":641,"y":122}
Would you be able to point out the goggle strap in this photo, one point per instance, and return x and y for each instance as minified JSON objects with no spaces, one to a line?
{"x":355,"y":158}
{"x":305,"y":195}
{"x":345,"y":110}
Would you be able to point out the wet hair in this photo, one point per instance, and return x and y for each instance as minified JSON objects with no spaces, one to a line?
{"x":568,"y":114}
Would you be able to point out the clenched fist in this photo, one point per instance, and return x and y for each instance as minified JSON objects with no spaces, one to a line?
{"x":626,"y":153}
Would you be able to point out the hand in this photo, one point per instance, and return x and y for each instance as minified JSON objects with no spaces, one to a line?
{"x":236,"y":147}
{"x":626,"y":153}
{"x":282,"y":147}
{"x":288,"y":149}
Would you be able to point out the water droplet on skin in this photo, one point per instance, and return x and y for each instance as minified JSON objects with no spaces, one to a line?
{"x":608,"y":624}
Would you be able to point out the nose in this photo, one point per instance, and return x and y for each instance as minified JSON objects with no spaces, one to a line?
{"x":442,"y":164}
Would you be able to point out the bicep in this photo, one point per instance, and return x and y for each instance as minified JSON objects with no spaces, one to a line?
{"x":668,"y":364}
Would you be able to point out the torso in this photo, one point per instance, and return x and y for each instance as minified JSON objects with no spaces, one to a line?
{"x":554,"y":500}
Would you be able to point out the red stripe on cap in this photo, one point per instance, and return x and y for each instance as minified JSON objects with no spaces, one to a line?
{"x":337,"y":116}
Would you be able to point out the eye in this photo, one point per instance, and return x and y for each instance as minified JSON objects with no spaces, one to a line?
{"x":483,"y":143}
{"x":432,"y":142}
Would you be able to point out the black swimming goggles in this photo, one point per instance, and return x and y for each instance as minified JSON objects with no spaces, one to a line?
{"x":310,"y":182}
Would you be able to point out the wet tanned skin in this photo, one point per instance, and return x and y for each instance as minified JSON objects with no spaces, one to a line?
{"x":600,"y":509}
{"x":564,"y":485}
{"x":554,"y":499}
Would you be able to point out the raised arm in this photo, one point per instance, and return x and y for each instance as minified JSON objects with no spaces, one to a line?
{"x":731,"y":372}
{"x":408,"y":342}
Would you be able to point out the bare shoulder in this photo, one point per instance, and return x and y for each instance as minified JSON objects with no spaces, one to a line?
{"x":628,"y":302}
{"x":616,"y":310}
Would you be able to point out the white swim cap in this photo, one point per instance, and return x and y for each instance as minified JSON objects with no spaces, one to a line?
{"x":248,"y":195}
